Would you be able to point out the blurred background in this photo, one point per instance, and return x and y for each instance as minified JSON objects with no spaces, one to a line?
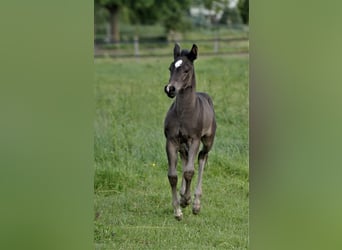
{"x":146,"y":27}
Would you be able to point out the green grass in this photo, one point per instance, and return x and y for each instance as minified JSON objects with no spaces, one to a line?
{"x":132,"y":194}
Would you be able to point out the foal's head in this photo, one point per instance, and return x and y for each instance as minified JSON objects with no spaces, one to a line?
{"x":182,"y":74}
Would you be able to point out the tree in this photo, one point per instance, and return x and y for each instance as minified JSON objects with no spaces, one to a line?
{"x":244,"y":10}
{"x":113,"y":7}
{"x":169,"y":12}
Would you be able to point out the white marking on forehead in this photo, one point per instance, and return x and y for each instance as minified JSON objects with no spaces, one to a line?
{"x":178,"y":63}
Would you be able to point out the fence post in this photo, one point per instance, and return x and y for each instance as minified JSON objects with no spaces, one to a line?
{"x":136,"y":46}
{"x":216,"y":39}
{"x":216,"y":45}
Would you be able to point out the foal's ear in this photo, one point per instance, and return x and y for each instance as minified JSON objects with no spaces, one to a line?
{"x":176,"y":51}
{"x":193,"y":53}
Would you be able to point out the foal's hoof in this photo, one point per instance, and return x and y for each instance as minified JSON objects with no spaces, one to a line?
{"x":179,"y":217}
{"x":185,"y":202}
{"x":196,"y":209}
{"x":178,"y":214}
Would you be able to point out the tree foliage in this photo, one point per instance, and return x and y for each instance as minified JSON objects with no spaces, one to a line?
{"x":174,"y":14}
{"x":171,"y":13}
{"x":231,"y":16}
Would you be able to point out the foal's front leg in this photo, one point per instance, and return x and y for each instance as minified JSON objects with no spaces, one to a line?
{"x":188,"y":172}
{"x":184,"y":201}
{"x":171,"y":151}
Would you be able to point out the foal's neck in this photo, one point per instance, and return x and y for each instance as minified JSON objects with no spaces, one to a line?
{"x":186,"y":99}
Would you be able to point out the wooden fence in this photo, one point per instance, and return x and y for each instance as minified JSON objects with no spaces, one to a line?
{"x":136,"y":48}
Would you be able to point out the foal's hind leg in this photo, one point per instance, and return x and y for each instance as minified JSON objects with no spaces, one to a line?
{"x":202,"y":159}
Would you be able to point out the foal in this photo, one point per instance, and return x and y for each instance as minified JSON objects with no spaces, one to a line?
{"x":190,"y":120}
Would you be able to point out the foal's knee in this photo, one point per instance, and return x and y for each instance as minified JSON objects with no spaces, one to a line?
{"x":173,"y":180}
{"x":188,"y":175}
{"x":202,"y":155}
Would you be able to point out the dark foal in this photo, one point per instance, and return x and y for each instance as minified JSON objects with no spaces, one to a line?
{"x":190,"y":120}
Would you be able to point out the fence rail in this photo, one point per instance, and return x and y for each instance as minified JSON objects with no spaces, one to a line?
{"x":136,"y":48}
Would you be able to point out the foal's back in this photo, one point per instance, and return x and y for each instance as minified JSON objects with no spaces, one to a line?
{"x":207,"y":114}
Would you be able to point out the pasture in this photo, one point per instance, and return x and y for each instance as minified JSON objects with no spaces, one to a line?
{"x":132,"y":200}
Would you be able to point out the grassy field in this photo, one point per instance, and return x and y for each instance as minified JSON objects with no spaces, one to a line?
{"x":132,"y":195}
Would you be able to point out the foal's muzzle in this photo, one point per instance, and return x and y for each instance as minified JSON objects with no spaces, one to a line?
{"x":170,"y":91}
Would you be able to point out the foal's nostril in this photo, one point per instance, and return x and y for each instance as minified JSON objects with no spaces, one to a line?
{"x":170,"y":91}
